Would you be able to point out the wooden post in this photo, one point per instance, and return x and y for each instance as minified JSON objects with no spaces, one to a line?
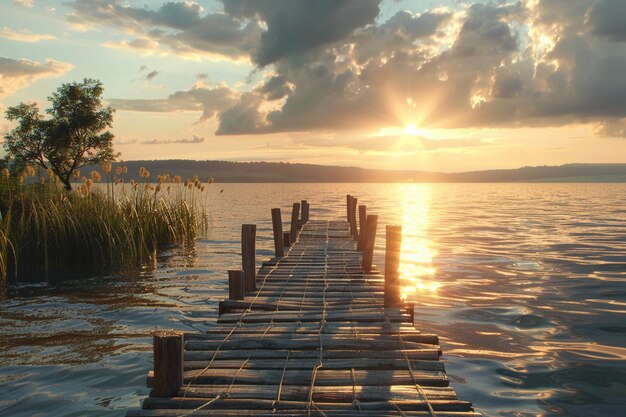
{"x":287,"y":239}
{"x":353,"y":226}
{"x":370,"y":239}
{"x":236,"y":285}
{"x":392,"y":266}
{"x":295,"y":213}
{"x":168,"y":363}
{"x":362,"y":218}
{"x":305,"y":212}
{"x":277,"y":224}
{"x":348,"y":200}
{"x":248,"y":255}
{"x":302,"y":209}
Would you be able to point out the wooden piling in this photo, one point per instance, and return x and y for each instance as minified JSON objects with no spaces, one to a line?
{"x":277,"y":224}
{"x":305,"y":212}
{"x":392,"y":266}
{"x":348,"y":203}
{"x":370,"y":240}
{"x":362,"y":219}
{"x":236,"y":285}
{"x":248,"y":256}
{"x":287,"y":239}
{"x":353,"y":224}
{"x":295,"y":213}
{"x":168,"y":363}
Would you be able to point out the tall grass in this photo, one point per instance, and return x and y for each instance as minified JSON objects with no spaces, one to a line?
{"x":46,"y":230}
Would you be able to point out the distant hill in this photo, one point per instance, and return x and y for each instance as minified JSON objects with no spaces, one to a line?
{"x":224,"y":171}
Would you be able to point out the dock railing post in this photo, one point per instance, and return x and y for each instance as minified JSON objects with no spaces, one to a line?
{"x":248,"y":256}
{"x":277,"y":224}
{"x":353,"y":225}
{"x":393,"y":244}
{"x":305,"y":212}
{"x":168,"y":363}
{"x":295,"y":213}
{"x":287,"y":239}
{"x":236,"y":285}
{"x":362,"y":218}
{"x":348,"y":203}
{"x":370,"y":240}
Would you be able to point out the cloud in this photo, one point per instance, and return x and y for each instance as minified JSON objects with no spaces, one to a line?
{"x":210,"y":101}
{"x":24,"y":35}
{"x":611,"y":128}
{"x":331,"y":65}
{"x":194,"y":139}
{"x":150,"y":76}
{"x":300,"y":26}
{"x":607,"y":19}
{"x":27,"y":4}
{"x":144,"y":45}
{"x":491,"y":74}
{"x":16,"y":74}
{"x":181,"y":27}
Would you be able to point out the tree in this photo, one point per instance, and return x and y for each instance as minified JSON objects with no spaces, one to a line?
{"x":74,"y":136}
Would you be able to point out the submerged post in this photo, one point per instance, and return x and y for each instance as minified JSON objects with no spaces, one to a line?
{"x":277,"y":224}
{"x":168,"y":363}
{"x":370,"y":239}
{"x":295,"y":213}
{"x":236,"y":285}
{"x":248,"y":255}
{"x":392,"y":266}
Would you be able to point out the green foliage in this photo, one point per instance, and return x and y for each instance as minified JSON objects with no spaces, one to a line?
{"x":74,"y":136}
{"x":45,"y":230}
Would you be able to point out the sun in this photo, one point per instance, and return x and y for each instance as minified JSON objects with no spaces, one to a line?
{"x":412,"y":130}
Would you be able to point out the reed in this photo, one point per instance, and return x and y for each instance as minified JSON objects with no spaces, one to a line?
{"x":46,"y":230}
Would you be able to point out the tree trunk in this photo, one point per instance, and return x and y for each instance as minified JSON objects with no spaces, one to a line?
{"x":67,"y":183}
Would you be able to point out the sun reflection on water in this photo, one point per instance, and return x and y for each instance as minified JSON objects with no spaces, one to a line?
{"x":417,"y":272}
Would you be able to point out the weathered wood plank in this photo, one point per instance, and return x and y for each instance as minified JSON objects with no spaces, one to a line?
{"x":324,"y":377}
{"x":220,"y":403}
{"x":362,"y":363}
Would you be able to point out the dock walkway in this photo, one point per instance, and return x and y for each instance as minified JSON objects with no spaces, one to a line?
{"x":314,"y":339}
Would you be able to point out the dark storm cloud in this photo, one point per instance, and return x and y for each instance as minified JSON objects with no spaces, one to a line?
{"x":275,"y":88}
{"x":299,"y":26}
{"x":607,"y":18}
{"x":420,"y":26}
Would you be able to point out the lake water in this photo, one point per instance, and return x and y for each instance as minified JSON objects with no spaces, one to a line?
{"x":524,"y":283}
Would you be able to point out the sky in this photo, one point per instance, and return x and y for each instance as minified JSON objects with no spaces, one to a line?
{"x":446,"y":86}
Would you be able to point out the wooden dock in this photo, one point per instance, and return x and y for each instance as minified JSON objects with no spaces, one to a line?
{"x":318,"y":331}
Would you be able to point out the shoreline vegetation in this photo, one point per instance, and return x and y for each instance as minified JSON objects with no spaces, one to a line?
{"x":99,"y":226}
